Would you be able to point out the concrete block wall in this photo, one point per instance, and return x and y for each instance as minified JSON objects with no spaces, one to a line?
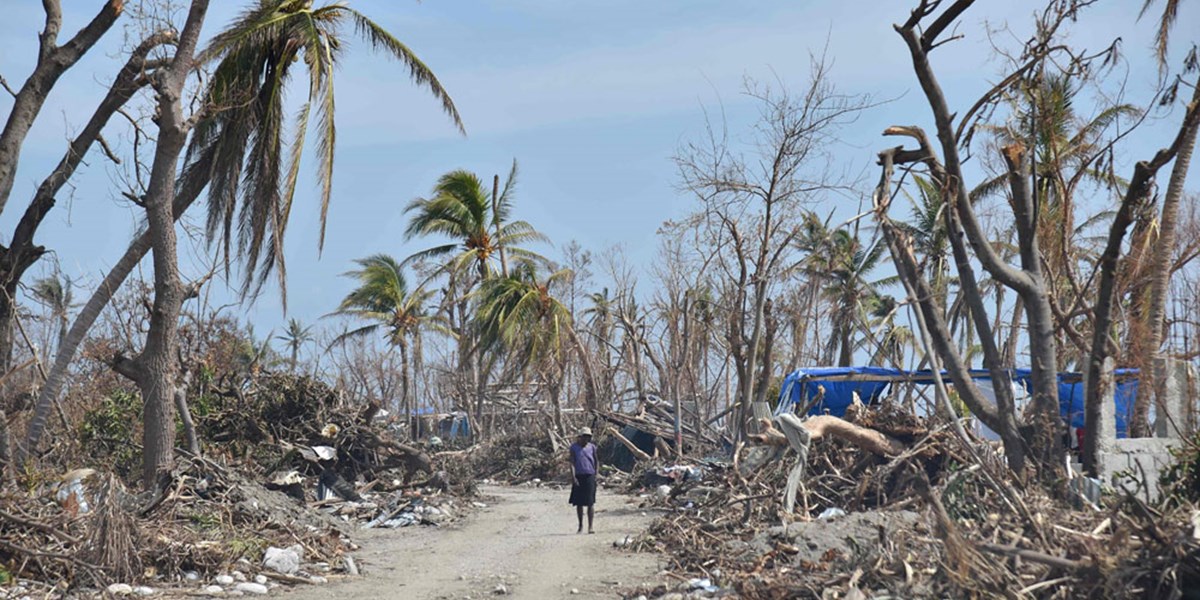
{"x":1130,"y":460}
{"x":1125,"y":462}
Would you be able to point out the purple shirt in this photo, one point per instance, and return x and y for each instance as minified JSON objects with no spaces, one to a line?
{"x":583,"y":459}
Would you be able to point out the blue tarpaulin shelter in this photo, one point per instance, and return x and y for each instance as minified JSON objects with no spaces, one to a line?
{"x":840,"y":384}
{"x":802,"y":387}
{"x":1070,"y":398}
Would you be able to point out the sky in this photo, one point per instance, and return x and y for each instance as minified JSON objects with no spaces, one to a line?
{"x":592,"y":98}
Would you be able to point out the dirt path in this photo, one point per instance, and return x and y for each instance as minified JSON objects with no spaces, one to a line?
{"x":525,"y":539}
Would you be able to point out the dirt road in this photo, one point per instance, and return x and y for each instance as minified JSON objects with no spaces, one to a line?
{"x":524,"y":540}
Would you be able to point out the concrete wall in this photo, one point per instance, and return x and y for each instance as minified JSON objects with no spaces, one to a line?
{"x":1131,"y":461}
{"x":1127,"y":463}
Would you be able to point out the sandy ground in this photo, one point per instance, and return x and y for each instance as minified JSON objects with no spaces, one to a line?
{"x":525,"y":539}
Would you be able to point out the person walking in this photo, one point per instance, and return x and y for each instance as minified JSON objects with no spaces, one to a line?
{"x":584,"y":466}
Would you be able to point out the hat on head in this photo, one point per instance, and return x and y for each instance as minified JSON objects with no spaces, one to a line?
{"x":585,"y":431}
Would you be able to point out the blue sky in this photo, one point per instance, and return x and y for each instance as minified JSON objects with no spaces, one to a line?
{"x":593,"y":99}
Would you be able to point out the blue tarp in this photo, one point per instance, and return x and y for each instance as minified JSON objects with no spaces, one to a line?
{"x":801,"y":386}
{"x":1070,"y":401}
{"x":840,"y":383}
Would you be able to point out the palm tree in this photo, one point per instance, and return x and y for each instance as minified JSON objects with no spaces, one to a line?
{"x":294,"y":337}
{"x":1160,"y":267}
{"x":929,"y":234}
{"x":462,"y":209}
{"x":477,"y":223}
{"x":519,"y":316}
{"x":601,"y":321}
{"x":839,"y":261}
{"x":1067,"y":149}
{"x":55,"y":293}
{"x":243,"y":126}
{"x":254,"y":56}
{"x":383,"y":299}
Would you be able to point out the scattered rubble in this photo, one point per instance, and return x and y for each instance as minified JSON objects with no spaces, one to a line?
{"x":253,"y":502}
{"x":925,"y":516}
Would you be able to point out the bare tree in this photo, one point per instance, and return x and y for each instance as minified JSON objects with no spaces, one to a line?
{"x":750,"y":202}
{"x":969,"y":241}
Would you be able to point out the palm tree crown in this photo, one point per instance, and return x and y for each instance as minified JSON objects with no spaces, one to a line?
{"x":294,"y":337}
{"x":383,"y":297}
{"x":239,"y":147}
{"x":461,"y":208}
{"x":520,"y":314}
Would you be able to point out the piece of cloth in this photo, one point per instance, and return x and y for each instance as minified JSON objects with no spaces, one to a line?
{"x":583,"y":458}
{"x":583,"y":490}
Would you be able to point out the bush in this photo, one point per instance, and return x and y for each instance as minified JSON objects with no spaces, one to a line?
{"x":109,"y":430}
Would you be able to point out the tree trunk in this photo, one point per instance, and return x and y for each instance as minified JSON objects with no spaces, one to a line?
{"x":5,"y":448}
{"x":747,"y":381}
{"x":1161,"y":271}
{"x":845,"y":349}
{"x":185,"y":418}
{"x":406,"y":404}
{"x":194,"y":182}
{"x":555,"y":389}
{"x":1043,"y":347}
{"x":768,"y":358}
{"x":1138,"y":192}
{"x":155,"y":370}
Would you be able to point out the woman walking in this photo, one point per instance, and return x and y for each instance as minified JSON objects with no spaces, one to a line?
{"x":584,"y":465}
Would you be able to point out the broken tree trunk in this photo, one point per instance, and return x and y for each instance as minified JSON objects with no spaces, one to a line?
{"x":633,"y":449}
{"x":826,"y":425}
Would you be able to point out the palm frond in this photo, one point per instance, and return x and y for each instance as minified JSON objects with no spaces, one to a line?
{"x":418,"y":71}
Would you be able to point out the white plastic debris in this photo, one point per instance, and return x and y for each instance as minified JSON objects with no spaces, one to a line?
{"x":247,"y":587}
{"x":663,"y":491}
{"x":287,"y":478}
{"x":142,"y":590}
{"x":831,"y":513}
{"x":120,"y":589}
{"x":72,"y":495}
{"x":325,"y":452}
{"x":283,"y":560}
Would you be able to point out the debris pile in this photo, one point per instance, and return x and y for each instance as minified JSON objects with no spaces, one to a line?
{"x":925,"y":519}
{"x":289,"y":472}
{"x":516,"y":458}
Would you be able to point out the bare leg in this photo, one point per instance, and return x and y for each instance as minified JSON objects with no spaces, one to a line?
{"x":579,"y":512}
{"x":591,"y":514}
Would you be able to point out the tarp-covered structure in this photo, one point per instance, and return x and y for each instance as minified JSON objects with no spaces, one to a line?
{"x":830,"y":390}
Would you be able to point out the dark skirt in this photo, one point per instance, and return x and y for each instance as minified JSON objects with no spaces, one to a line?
{"x":583,"y":490}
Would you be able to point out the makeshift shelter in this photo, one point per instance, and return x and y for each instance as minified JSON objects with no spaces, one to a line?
{"x":830,"y":390}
